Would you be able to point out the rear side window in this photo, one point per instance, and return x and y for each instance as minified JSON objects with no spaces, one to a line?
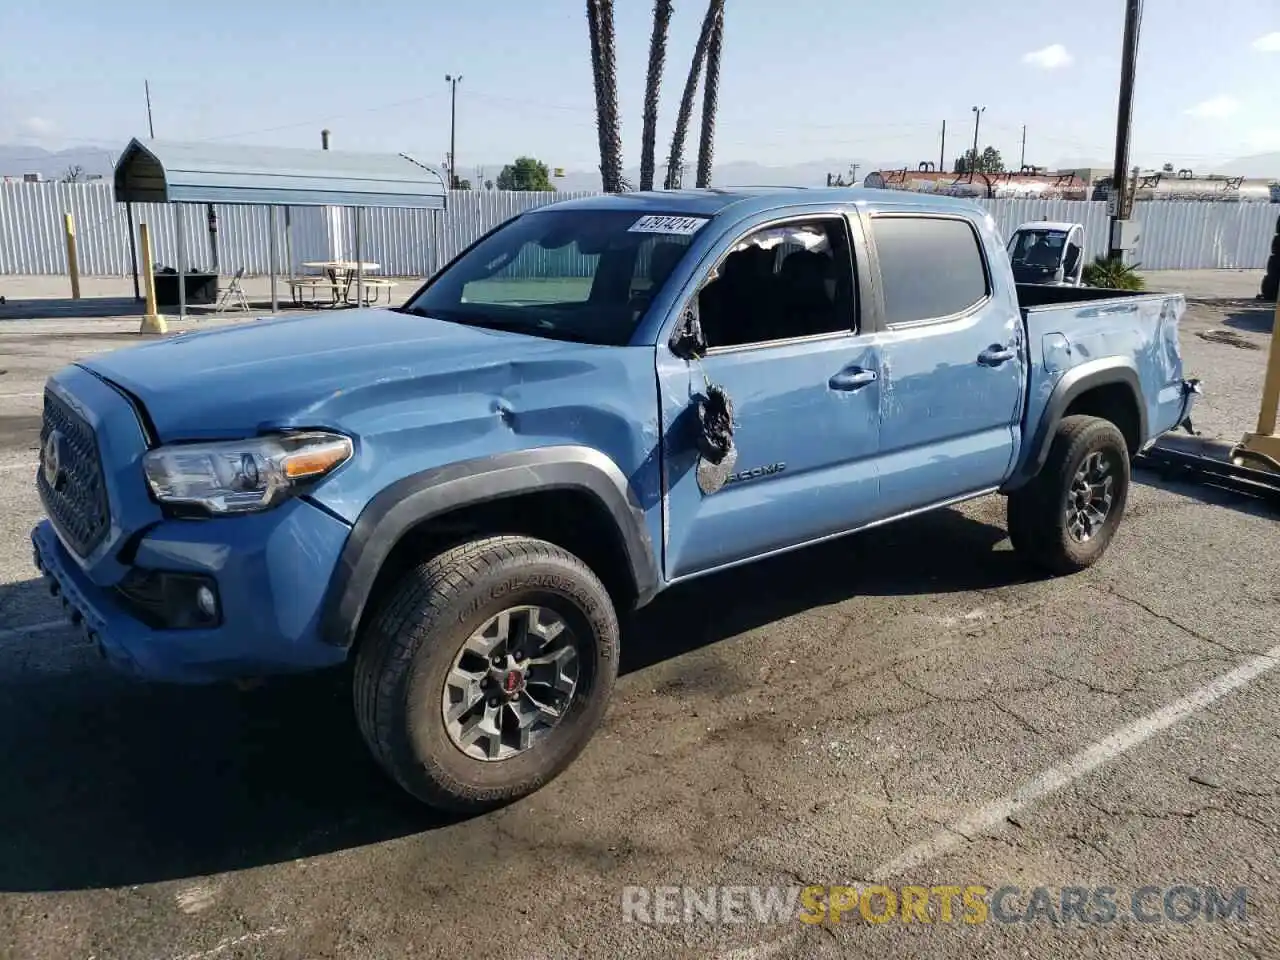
{"x":930,"y":267}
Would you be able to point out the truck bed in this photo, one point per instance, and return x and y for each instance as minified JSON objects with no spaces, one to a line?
{"x":1041,"y":295}
{"x":1132,"y":335}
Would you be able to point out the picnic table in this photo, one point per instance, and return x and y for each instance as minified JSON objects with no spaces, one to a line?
{"x":337,"y":277}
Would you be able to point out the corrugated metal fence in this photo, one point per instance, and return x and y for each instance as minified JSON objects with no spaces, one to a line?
{"x":414,"y":242}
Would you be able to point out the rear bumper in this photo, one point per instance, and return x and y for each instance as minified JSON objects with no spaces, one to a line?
{"x":271,"y":572}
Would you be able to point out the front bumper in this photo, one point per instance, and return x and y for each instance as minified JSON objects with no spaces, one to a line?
{"x":271,"y":570}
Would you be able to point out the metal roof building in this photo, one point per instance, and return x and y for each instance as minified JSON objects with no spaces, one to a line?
{"x":166,"y":171}
{"x":162,"y":171}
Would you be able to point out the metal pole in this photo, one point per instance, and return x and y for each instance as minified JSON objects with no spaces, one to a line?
{"x":453,"y":128}
{"x":359,"y":259}
{"x":1124,"y":120}
{"x":271,"y":248}
{"x":973,"y":162}
{"x":182,"y":261}
{"x":436,"y":253}
{"x":150,"y":126}
{"x":288,"y":239}
{"x":1022,"y":160}
{"x":942,"y":150}
{"x":133,"y":250}
{"x":211,"y":217}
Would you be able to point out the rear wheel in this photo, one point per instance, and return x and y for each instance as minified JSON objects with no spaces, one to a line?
{"x":1065,"y":518}
{"x":486,"y":671}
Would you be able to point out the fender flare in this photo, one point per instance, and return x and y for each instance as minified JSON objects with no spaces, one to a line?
{"x":1074,"y":383}
{"x":419,"y":497}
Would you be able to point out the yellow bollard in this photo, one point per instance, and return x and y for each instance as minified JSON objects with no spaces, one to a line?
{"x":152,"y":322}
{"x":1264,"y":444}
{"x":73,"y":259}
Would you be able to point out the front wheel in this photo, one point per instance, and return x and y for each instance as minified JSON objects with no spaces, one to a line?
{"x":1066,"y":517}
{"x":486,"y":671}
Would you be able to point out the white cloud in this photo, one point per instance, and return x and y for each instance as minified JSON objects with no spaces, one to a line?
{"x":1268,"y":42}
{"x":37,"y":126}
{"x":1215,"y":108}
{"x":1050,"y":58}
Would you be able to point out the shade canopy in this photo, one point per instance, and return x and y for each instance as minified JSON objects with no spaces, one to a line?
{"x":163,"y":171}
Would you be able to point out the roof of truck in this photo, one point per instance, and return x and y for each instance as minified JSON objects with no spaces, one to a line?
{"x":712,"y":200}
{"x":1062,"y":225}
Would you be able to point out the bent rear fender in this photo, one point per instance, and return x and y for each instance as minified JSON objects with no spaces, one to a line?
{"x":419,"y":497}
{"x":1074,"y":383}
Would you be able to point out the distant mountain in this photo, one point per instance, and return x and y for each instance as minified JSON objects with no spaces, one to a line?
{"x":16,"y":159}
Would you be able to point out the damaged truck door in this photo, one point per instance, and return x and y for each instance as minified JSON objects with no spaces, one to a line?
{"x":952,"y":352}
{"x":782,"y":340}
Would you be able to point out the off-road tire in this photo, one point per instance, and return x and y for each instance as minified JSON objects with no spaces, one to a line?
{"x":1036,"y":513}
{"x":409,"y":644}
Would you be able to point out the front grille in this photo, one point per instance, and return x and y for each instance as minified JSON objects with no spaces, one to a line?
{"x":77,"y":499}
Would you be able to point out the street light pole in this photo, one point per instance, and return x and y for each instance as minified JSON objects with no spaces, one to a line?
{"x":977,"y":118}
{"x":453,"y":127}
{"x":1124,"y":123}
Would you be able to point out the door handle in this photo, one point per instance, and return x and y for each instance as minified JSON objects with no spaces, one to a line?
{"x":995,"y":355}
{"x":852,"y":378}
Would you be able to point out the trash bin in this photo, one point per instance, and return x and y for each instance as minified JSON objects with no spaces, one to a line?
{"x":202,"y":288}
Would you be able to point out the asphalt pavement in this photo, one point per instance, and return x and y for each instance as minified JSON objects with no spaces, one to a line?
{"x":910,"y":707}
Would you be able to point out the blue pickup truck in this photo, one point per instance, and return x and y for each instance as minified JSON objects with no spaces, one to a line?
{"x":597,"y":400}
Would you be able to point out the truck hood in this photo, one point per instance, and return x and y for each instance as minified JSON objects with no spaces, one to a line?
{"x":308,"y":370}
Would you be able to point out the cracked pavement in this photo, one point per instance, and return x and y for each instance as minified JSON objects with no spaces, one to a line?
{"x":801,"y":721}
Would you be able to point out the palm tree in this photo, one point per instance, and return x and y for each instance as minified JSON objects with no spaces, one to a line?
{"x":612,"y":160}
{"x":597,"y":76}
{"x":604,"y":69}
{"x":653,"y":80}
{"x":710,"y":96}
{"x":676,"y":159}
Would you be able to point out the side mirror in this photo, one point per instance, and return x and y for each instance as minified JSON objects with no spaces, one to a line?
{"x":688,"y":342}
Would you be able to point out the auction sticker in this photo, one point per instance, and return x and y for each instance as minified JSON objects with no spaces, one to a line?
{"x":672,"y":226}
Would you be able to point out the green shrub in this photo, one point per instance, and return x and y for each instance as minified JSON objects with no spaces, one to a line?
{"x":1113,"y":275}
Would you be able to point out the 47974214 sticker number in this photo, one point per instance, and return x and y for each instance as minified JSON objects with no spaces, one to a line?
{"x":670,"y":225}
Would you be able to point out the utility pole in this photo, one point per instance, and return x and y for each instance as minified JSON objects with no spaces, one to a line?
{"x":150,"y":126}
{"x":453,"y":126}
{"x":1022,"y":160}
{"x":942,"y":150}
{"x":977,"y":118}
{"x":1124,"y":124}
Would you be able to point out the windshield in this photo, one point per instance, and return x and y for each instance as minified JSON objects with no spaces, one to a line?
{"x":1038,"y":248}
{"x":585,"y":275}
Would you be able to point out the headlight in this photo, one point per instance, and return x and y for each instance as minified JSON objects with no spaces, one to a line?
{"x":241,"y":476}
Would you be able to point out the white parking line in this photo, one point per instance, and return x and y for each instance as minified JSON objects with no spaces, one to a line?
{"x":1050,"y":781}
{"x":1084,"y":762}
{"x":19,"y":396}
{"x":8,"y":632}
{"x":20,"y":466}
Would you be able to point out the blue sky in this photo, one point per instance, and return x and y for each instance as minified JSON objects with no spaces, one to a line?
{"x":802,"y":80}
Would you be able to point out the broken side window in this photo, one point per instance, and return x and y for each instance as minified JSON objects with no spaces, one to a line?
{"x":782,"y":282}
